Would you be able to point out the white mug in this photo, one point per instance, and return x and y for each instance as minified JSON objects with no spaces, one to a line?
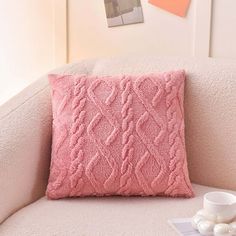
{"x":221,"y":206}
{"x":218,"y":216}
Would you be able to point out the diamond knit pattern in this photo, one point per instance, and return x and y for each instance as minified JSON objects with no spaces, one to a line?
{"x":120,"y":135}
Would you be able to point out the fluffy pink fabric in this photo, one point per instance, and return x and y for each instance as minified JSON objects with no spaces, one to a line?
{"x":121,"y":135}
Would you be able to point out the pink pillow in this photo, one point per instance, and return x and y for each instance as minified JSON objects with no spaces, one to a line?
{"x":121,"y":135}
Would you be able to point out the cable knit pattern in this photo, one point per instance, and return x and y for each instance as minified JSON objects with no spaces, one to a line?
{"x":125,"y":136}
{"x":150,"y":145}
{"x":77,"y":140}
{"x":175,"y":128}
{"x":106,"y":112}
{"x":58,"y":170}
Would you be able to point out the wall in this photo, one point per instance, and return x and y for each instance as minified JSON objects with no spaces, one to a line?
{"x":37,"y":35}
{"x":89,"y":35}
{"x":223,"y":43}
{"x":208,"y":30}
{"x":26,"y":43}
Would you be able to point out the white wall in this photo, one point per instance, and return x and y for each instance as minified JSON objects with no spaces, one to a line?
{"x":223,"y":42}
{"x":36,"y":35}
{"x":162,"y":33}
{"x":26,"y":43}
{"x":208,"y":30}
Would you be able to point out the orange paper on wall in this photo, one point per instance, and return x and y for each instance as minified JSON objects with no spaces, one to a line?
{"x":177,"y":7}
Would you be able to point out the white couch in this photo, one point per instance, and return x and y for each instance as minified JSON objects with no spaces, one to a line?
{"x":25,"y":139}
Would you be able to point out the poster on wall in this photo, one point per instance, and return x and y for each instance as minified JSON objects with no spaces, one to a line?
{"x":123,"y":12}
{"x":177,"y":7}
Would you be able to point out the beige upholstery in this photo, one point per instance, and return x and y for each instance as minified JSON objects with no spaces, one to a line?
{"x":25,"y":134}
{"x":25,"y":139}
{"x":113,"y":216}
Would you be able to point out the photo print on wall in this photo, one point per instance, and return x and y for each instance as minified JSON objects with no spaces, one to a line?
{"x":123,"y":12}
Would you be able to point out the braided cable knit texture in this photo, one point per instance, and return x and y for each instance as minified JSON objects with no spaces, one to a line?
{"x":175,"y":128}
{"x":120,"y":135}
{"x":58,"y":170}
{"x":127,"y":136}
{"x":77,"y":140}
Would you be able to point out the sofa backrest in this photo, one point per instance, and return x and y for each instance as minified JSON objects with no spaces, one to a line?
{"x":210,"y":111}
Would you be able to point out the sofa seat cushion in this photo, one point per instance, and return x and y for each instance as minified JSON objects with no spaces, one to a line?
{"x":102,"y":216}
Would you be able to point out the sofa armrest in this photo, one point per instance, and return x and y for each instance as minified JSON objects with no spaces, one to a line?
{"x":25,"y":143}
